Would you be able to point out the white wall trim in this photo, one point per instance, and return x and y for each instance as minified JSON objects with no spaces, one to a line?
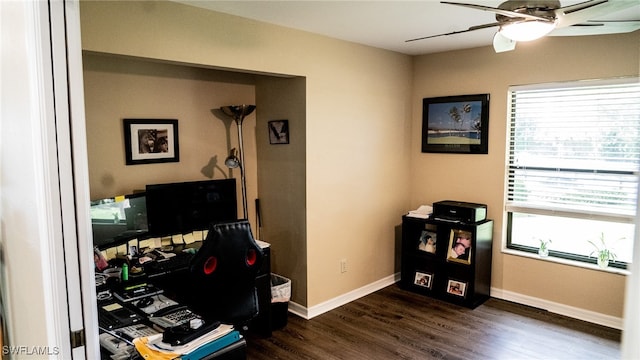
{"x":309,"y":313}
{"x":557,"y":308}
{"x":553,"y":307}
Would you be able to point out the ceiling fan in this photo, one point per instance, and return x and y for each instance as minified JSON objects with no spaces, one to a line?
{"x":528,"y":20}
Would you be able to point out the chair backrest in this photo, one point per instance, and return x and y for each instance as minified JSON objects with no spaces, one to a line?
{"x":223,"y":274}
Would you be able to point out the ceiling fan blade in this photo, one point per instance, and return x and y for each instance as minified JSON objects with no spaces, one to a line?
{"x":473,"y":28}
{"x":597,"y":28}
{"x":502,"y":43}
{"x":507,"y":13}
{"x":582,"y":12}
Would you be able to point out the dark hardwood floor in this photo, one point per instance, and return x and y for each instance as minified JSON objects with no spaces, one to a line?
{"x":397,"y":324}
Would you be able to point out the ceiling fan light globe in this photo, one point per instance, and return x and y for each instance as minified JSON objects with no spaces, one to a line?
{"x":527,"y":30}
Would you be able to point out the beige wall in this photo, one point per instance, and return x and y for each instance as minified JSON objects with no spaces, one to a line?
{"x":117,"y":88}
{"x":480,"y":178}
{"x":362,"y":119}
{"x":358,"y":117}
{"x":282,"y":179}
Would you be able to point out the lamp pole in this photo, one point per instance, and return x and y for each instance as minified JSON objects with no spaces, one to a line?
{"x":238,"y":113}
{"x":243,"y":178}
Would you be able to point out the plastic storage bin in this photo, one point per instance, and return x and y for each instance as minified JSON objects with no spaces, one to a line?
{"x":280,"y":295}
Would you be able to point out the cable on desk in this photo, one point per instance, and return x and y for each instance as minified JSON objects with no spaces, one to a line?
{"x":101,"y":279}
{"x":104,"y":295}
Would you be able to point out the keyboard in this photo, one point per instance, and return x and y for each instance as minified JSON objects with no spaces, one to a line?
{"x":137,"y":292}
{"x":172,"y":316}
{"x":174,"y":263}
{"x":135,"y":331}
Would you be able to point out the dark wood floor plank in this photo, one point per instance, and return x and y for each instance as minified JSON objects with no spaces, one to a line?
{"x":397,"y":324}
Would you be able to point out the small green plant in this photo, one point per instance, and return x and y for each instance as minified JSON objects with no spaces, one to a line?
{"x":543,"y":249}
{"x":602,"y":251}
{"x":544,"y":245}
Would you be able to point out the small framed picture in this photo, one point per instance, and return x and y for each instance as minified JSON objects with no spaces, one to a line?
{"x":278,"y":132}
{"x":150,"y":141}
{"x":424,"y":280}
{"x":460,"y":242}
{"x":457,"y":288}
{"x":427,"y":242}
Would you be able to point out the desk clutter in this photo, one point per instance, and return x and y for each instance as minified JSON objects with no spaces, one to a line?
{"x":156,"y":327}
{"x":185,"y":301}
{"x":177,"y":274}
{"x":139,"y":320}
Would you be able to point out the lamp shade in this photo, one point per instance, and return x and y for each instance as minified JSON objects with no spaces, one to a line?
{"x":238,"y":111}
{"x":527,"y":30}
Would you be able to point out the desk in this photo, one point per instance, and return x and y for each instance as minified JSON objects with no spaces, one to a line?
{"x":173,"y":284}
{"x":174,"y":287}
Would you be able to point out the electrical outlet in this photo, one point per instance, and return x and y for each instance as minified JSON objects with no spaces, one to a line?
{"x":343,"y":265}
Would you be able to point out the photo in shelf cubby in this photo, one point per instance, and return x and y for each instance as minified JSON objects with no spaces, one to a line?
{"x":427,"y":242}
{"x":423,"y":279}
{"x":457,"y":288}
{"x":460,"y":246}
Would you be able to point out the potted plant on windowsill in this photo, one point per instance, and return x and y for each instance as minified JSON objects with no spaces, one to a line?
{"x":543,"y":250}
{"x":603,"y":252}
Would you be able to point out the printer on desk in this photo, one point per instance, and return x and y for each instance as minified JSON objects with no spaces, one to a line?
{"x":458,"y":211}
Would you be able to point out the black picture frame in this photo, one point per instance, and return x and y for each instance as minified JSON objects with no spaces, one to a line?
{"x":149,"y":141}
{"x":456,"y":124}
{"x":278,"y":132}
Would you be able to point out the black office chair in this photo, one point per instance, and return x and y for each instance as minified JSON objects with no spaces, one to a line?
{"x":223,"y":274}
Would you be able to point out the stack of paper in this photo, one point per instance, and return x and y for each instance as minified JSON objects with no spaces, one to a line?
{"x":152,"y":347}
{"x":422,"y":212}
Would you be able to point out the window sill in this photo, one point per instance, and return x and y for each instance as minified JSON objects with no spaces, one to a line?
{"x":556,"y":260}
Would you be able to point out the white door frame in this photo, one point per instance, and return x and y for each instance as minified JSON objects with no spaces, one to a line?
{"x":45,"y":241}
{"x":76,"y":198}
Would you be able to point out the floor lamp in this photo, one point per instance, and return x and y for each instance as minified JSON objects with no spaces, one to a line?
{"x":238,"y":113}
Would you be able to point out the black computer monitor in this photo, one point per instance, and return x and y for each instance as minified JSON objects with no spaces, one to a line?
{"x":118,"y":219}
{"x":179,"y":208}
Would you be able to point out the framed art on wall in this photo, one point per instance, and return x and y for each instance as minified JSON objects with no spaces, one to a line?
{"x":150,"y":141}
{"x":456,"y":124}
{"x":278,"y":132}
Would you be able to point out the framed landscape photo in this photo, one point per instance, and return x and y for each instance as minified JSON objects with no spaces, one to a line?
{"x":423,"y":279}
{"x":150,"y":141}
{"x":460,"y":242}
{"x":456,"y":124}
{"x":457,"y":288}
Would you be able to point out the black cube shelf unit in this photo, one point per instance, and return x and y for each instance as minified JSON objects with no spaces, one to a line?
{"x":430,"y":266}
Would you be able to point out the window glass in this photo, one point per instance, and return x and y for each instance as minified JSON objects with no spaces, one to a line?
{"x":572,"y":169}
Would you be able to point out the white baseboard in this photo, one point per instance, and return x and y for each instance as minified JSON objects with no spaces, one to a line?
{"x":561,"y":309}
{"x":309,"y":313}
{"x":556,"y":308}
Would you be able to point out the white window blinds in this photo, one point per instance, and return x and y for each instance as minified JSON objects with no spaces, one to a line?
{"x":575,"y":149}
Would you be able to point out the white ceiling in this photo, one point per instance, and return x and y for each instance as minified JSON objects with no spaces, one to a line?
{"x":383,"y":24}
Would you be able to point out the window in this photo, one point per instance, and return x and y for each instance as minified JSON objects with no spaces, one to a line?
{"x":572,"y":169}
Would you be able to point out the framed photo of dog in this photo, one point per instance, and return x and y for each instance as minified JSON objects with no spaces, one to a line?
{"x":149,"y":141}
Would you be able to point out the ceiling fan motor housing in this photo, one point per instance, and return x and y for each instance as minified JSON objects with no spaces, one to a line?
{"x":541,"y":8}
